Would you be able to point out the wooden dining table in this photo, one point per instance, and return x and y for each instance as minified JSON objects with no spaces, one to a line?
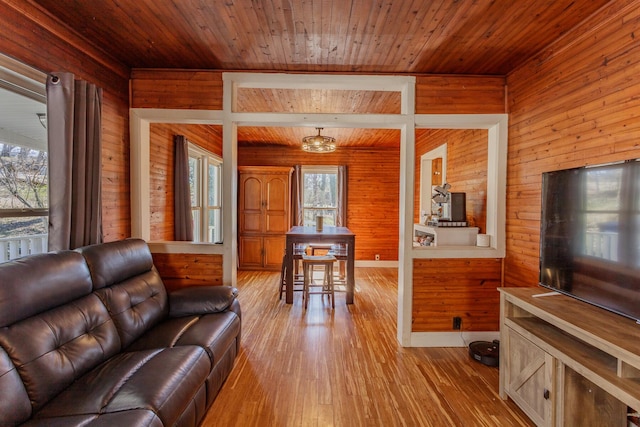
{"x":309,"y":235}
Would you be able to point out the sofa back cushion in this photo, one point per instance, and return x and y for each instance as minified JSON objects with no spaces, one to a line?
{"x":52,"y":327}
{"x":54,"y":348}
{"x":37,"y":283}
{"x":129,"y":285}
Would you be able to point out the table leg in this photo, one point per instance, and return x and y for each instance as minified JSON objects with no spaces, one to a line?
{"x":351,"y":255}
{"x":289,"y":272}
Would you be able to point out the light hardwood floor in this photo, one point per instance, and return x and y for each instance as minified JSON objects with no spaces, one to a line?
{"x":345,"y":367}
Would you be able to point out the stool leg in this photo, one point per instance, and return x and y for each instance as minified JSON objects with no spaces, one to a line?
{"x":331,"y":289}
{"x":305,"y":285}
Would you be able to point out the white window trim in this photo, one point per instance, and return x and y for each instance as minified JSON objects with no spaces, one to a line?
{"x":205,"y":159}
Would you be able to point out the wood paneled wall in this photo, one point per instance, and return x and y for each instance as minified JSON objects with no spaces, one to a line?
{"x":34,"y":38}
{"x":373,"y":190}
{"x":575,"y":104}
{"x":181,"y":270}
{"x":448,"y":288}
{"x":179,"y":89}
{"x":467,"y":152}
{"x":202,"y":89}
{"x":161,"y":168}
{"x":460,"y":95}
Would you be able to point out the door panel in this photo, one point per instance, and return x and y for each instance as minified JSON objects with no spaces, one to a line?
{"x":529,"y":380}
{"x":250,"y":255}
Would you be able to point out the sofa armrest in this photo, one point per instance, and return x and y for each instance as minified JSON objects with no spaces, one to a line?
{"x":195,"y":300}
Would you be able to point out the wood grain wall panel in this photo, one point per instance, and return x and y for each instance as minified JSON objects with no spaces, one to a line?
{"x":181,"y":270}
{"x":318,"y":101}
{"x":373,"y":190}
{"x":33,"y":37}
{"x":467,"y":172}
{"x":448,"y":288}
{"x":179,"y":89}
{"x":116,"y":201}
{"x":575,"y":104}
{"x":202,"y":89}
{"x":460,"y":95}
{"x":161,"y":169}
{"x":466,"y":167}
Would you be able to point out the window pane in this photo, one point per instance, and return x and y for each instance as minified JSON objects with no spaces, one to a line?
{"x":213,"y":185}
{"x":196,"y":225}
{"x":194,"y":188}
{"x":23,"y":236}
{"x":320,"y":190}
{"x":24,"y":176}
{"x":214,"y":234}
{"x":310,"y":215}
{"x":24,"y":226}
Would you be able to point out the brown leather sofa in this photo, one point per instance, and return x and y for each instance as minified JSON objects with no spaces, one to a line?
{"x":91,"y":338}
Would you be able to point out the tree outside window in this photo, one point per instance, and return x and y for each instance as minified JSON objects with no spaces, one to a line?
{"x":320,"y":194}
{"x":24,"y":180}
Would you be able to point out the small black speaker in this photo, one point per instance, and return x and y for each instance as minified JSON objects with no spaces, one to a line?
{"x":458,"y":206}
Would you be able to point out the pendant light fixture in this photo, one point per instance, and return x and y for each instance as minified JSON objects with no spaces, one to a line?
{"x":318,"y":143}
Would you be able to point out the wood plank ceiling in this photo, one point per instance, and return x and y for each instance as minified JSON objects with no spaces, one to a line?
{"x":479,"y":37}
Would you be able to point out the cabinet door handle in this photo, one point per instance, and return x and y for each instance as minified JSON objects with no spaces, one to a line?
{"x":546,"y":394}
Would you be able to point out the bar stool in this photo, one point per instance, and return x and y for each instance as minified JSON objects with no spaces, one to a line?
{"x":339,"y":250}
{"x":326,"y":287}
{"x":298,"y":251}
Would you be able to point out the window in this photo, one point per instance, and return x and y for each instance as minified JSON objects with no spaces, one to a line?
{"x":319,"y":194}
{"x":205,"y":182}
{"x":24,"y":179}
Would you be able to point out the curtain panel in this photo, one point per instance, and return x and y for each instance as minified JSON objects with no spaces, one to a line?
{"x":296,"y":190}
{"x":341,"y":215}
{"x":183,"y":219}
{"x":74,"y":132}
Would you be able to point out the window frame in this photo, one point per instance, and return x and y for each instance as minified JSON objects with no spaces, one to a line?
{"x":201,"y":211}
{"x":24,"y":81}
{"x":320,"y":169}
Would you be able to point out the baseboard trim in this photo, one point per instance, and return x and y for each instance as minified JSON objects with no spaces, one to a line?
{"x":393,"y":264}
{"x":451,"y":339}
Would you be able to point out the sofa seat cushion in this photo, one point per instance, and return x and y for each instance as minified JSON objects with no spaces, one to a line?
{"x":213,"y":332}
{"x":163,"y":381}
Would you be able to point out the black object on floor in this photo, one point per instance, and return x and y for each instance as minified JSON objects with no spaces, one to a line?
{"x":485,"y":352}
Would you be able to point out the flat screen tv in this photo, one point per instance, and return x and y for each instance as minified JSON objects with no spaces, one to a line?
{"x":590,"y":235}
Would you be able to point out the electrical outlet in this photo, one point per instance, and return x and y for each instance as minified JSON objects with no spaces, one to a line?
{"x":377,"y":257}
{"x":457,"y":323}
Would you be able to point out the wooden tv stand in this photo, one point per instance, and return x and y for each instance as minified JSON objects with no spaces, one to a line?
{"x":565,"y":362}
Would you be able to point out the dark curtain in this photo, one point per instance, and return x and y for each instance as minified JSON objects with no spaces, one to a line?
{"x":341,"y":215}
{"x":296,"y":190}
{"x":74,"y":132}
{"x":183,"y":219}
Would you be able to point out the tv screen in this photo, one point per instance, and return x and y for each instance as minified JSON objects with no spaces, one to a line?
{"x":590,"y":235}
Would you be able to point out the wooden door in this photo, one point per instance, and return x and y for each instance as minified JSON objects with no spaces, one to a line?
{"x":251,"y":204}
{"x":276,"y":203}
{"x":529,"y":378}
